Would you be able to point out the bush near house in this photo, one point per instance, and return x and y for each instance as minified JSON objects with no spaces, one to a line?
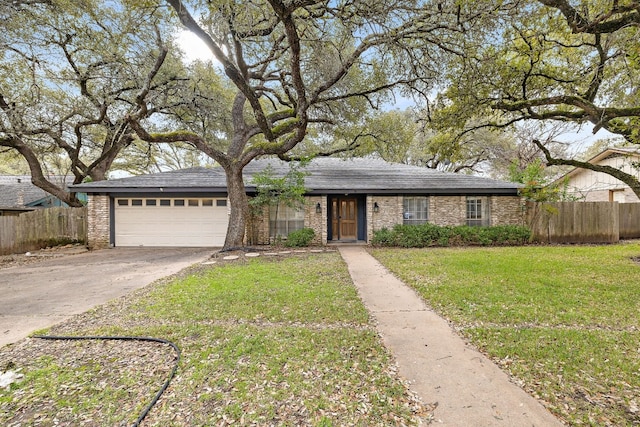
{"x":300,"y":238}
{"x":425,"y":235}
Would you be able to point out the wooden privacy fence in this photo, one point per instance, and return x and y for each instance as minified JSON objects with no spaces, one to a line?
{"x":629,"y":220}
{"x":583,"y":222}
{"x":41,"y":228}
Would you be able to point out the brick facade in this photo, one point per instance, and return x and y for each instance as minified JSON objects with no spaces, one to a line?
{"x":258,"y":225}
{"x":507,"y":210}
{"x":448,"y":210}
{"x":98,"y":222}
{"x":316,"y":221}
{"x":443,"y":211}
{"x":389,"y":213}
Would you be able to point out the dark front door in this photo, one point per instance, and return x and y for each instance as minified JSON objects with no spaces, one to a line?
{"x":344,"y":221}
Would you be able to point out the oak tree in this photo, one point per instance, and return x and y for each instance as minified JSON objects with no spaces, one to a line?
{"x":554,"y":61}
{"x":301,"y":66}
{"x":69,"y":74}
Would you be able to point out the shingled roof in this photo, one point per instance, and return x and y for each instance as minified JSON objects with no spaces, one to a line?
{"x":326,"y":176}
{"x":17,"y":191}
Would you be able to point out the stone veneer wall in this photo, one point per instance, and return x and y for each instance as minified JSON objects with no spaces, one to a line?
{"x":507,"y":210}
{"x":98,"y":222}
{"x":448,"y":210}
{"x":389,"y":213}
{"x":316,"y":221}
{"x":258,"y":227}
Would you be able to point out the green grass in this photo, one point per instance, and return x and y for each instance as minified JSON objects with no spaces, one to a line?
{"x":315,"y":292}
{"x":263,"y":342}
{"x":563,"y":320}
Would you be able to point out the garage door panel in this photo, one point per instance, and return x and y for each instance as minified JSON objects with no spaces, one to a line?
{"x":170,"y":225}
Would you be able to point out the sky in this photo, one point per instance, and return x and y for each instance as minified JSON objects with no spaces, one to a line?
{"x":193,"y":47}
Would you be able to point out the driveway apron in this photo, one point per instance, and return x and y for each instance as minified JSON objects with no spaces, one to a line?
{"x":469,"y":389}
{"x":39,"y":295}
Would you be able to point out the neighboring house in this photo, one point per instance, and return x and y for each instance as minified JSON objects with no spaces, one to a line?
{"x":346,"y":201}
{"x":591,"y":186}
{"x":18,"y":195}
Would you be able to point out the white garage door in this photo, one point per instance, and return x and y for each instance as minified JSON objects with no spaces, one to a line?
{"x":170,"y":221}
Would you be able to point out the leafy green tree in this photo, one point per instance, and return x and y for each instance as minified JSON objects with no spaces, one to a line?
{"x":70,"y":73}
{"x":538,"y":187}
{"x":552,"y":61}
{"x":308,"y":66}
{"x":277,"y":191}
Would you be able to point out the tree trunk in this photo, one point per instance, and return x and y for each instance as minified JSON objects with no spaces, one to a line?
{"x":239,"y":208}
{"x":37,"y":175}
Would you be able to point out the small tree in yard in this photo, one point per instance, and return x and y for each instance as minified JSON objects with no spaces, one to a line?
{"x":538,"y":190}
{"x":272,"y":190}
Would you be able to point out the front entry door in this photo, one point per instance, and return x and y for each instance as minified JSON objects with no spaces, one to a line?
{"x":344,"y":218}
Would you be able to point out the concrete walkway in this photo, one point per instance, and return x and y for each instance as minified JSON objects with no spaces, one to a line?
{"x":469,"y":389}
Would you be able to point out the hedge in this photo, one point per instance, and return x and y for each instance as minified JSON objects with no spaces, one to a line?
{"x":425,"y":235}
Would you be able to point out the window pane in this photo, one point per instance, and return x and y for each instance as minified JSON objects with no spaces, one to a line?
{"x":136,"y":202}
{"x":123,"y":202}
{"x":165,"y":202}
{"x":283,"y":220}
{"x":207,"y":202}
{"x":221,"y":203}
{"x":477,"y":212}
{"x":193,"y":202}
{"x":178,"y":202}
{"x":415,"y":210}
{"x":150,"y":202}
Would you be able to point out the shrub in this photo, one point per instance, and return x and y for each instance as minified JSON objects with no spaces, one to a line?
{"x":425,"y":235}
{"x":383,"y":237}
{"x":299,"y":238}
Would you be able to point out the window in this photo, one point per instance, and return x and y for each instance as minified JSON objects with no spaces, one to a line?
{"x":477,"y":211}
{"x":165,"y":202}
{"x":123,"y":202}
{"x":207,"y":202}
{"x":415,"y":210}
{"x":178,"y":202}
{"x":192,"y":202}
{"x":150,"y":202}
{"x":221,"y":203}
{"x":283,"y":220}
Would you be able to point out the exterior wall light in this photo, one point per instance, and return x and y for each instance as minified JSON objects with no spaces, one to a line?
{"x":376,"y":208}
{"x":318,"y":208}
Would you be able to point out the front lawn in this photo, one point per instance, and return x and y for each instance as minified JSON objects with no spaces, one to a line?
{"x":564,"y":321}
{"x":264,"y":342}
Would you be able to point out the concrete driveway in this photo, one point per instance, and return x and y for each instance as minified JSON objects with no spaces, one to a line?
{"x":41,"y":294}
